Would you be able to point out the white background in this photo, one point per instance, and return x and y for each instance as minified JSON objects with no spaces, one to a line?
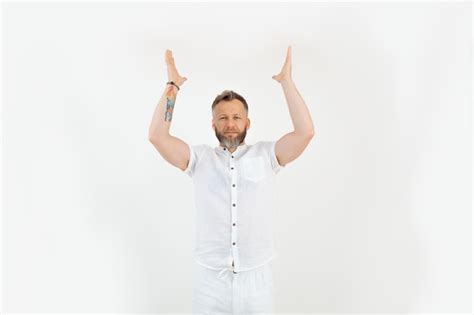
{"x":375,"y":215}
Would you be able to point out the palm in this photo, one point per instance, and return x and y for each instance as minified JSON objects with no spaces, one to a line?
{"x":173,"y":74}
{"x":285,"y":73}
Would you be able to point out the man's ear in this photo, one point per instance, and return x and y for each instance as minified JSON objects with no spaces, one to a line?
{"x":248,"y":123}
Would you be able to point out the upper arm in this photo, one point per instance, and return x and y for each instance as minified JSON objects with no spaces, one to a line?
{"x":290,"y":146}
{"x":173,"y":150}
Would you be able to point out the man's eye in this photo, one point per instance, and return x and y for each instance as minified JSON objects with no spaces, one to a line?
{"x":237,"y":117}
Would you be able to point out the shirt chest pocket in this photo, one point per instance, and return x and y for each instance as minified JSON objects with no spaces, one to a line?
{"x":253,"y":168}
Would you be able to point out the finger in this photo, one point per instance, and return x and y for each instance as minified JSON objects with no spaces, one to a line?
{"x":170,"y":61}
{"x":288,"y":54}
{"x":169,"y":57}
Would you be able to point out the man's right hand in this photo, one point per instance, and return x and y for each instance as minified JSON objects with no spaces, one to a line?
{"x":173,"y":74}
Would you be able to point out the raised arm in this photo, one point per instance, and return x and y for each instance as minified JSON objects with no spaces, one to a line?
{"x":172,"y":149}
{"x":292,"y":144}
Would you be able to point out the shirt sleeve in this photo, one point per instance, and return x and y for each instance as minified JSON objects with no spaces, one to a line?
{"x":269,"y":147}
{"x":195,"y":153}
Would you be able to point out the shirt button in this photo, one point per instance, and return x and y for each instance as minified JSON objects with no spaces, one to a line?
{"x":232,"y":156}
{"x":225,"y":149}
{"x":233,"y":224}
{"x":233,"y":243}
{"x":233,"y":205}
{"x":233,"y":185}
{"x":231,"y":168}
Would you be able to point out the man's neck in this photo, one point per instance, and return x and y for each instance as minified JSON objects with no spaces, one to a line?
{"x":231,"y":150}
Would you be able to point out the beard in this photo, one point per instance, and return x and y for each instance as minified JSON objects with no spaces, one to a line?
{"x":231,"y":140}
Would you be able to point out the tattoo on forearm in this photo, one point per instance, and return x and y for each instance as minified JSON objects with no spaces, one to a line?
{"x":170,"y":99}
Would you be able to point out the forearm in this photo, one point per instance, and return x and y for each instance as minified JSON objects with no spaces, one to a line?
{"x":299,"y":112}
{"x":161,"y":121}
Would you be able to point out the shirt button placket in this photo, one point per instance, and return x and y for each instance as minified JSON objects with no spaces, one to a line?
{"x":234,"y":212}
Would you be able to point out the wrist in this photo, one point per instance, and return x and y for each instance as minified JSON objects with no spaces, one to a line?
{"x":287,"y":81}
{"x":176,"y":87}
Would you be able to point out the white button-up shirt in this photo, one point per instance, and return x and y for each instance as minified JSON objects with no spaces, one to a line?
{"x":235,"y":203}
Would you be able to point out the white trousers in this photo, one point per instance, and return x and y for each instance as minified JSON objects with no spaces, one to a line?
{"x":226,"y":292}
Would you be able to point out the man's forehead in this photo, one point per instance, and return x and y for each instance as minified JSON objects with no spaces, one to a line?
{"x":222,"y":113}
{"x":230,"y":108}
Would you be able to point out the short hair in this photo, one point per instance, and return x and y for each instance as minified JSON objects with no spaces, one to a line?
{"x":229,"y":95}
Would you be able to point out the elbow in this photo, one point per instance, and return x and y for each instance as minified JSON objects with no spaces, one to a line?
{"x":156,"y":138}
{"x":306,"y":133}
{"x":153,"y":138}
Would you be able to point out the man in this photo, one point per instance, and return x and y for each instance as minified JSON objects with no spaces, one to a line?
{"x":234,"y":194}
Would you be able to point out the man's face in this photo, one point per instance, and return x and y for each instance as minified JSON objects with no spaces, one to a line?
{"x":230,"y":123}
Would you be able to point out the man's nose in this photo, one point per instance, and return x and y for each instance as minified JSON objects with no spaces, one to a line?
{"x":231,"y":125}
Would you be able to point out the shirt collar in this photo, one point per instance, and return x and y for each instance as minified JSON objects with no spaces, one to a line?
{"x":240,"y":149}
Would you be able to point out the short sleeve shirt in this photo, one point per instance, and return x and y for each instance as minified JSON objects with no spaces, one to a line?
{"x":235,"y":203}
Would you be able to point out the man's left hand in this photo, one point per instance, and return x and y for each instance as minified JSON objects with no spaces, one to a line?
{"x":285,"y":74}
